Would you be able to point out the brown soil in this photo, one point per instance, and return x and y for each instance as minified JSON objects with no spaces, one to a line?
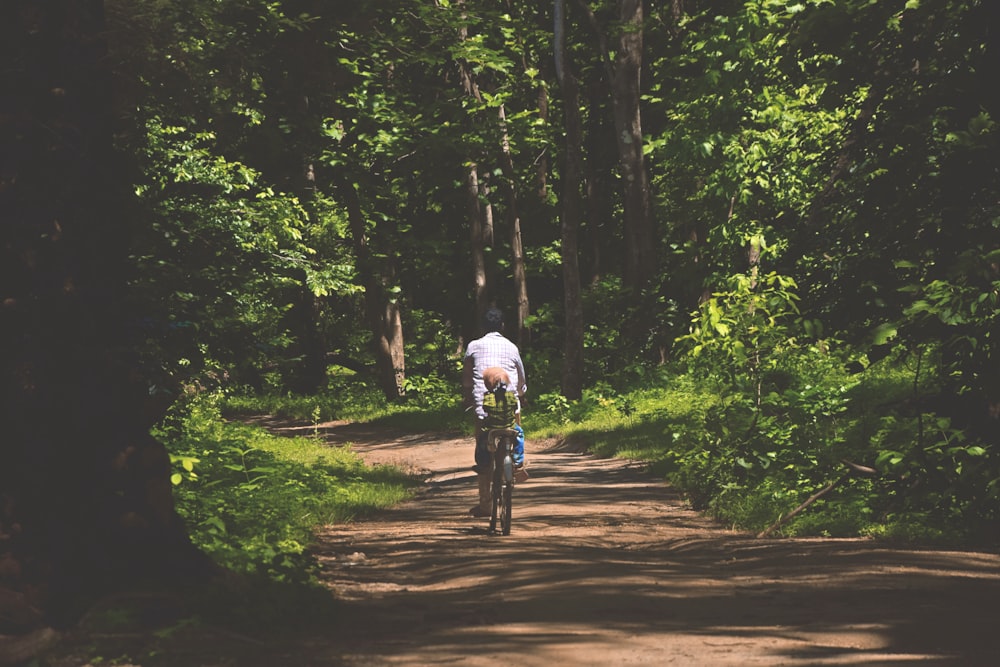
{"x":606,"y":565}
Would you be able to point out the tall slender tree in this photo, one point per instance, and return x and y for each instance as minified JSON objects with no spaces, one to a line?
{"x":623,"y":74}
{"x":572,"y":373}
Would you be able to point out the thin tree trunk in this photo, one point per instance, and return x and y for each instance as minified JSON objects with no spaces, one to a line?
{"x":477,"y":242}
{"x":489,"y":235}
{"x":542,"y":163}
{"x":394,"y":373}
{"x":626,"y":95}
{"x":381,"y":311}
{"x":572,"y":374}
{"x":480,"y":218}
{"x":514,"y":221}
{"x":623,"y":76}
{"x":309,"y":375}
{"x":599,"y":168}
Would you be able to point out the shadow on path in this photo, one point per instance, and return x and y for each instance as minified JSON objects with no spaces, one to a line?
{"x":607,"y":566}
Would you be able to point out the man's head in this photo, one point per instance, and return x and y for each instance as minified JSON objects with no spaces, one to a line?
{"x":493,"y":321}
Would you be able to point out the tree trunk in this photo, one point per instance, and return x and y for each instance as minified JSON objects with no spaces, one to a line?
{"x":85,"y":496}
{"x":599,"y":170}
{"x":623,"y":76}
{"x":309,"y":374}
{"x":381,"y":310}
{"x":477,"y":242}
{"x":572,"y":375}
{"x":480,"y":218}
{"x":514,"y":221}
{"x":542,"y":170}
{"x":639,"y":253}
{"x":393,"y":375}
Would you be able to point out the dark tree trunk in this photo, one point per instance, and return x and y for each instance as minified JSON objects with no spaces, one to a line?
{"x":599,"y":168}
{"x":514,"y":224}
{"x":542,"y":170}
{"x":572,"y":374}
{"x":392,"y":359}
{"x":479,"y":211}
{"x":85,"y":497}
{"x":624,"y":77}
{"x":381,"y":310}
{"x":626,"y":96}
{"x":477,"y":242}
{"x":309,"y":374}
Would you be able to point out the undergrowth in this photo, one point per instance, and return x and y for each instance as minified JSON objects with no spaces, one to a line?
{"x":749,"y":464}
{"x":251,"y":500}
{"x":747,"y":454}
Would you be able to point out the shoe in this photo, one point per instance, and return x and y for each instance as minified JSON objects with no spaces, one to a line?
{"x":521,"y":475}
{"x":477,"y":511}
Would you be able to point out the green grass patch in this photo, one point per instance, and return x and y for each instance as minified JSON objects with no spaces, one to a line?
{"x":431,"y":408}
{"x":252,"y":500}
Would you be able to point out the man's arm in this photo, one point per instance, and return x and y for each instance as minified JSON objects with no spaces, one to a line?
{"x":522,"y":380}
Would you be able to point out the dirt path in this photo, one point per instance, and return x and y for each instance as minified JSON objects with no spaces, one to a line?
{"x":606,"y":566}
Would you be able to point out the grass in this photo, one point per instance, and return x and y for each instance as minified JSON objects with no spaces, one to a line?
{"x":252,"y":499}
{"x":698,"y":433}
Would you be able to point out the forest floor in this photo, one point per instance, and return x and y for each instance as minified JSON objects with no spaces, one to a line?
{"x":606,"y":565}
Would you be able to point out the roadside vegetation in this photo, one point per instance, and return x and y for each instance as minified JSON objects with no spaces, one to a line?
{"x":746,"y":453}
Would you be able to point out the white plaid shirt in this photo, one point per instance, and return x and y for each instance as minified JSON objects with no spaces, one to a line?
{"x":489,"y":351}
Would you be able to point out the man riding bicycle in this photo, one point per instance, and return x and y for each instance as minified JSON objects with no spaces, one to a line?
{"x":492,"y":351}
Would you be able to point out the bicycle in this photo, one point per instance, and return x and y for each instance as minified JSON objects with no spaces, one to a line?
{"x":500,"y":443}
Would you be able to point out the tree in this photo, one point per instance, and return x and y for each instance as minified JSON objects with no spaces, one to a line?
{"x":87,"y":501}
{"x":623,"y":76}
{"x":572,"y":175}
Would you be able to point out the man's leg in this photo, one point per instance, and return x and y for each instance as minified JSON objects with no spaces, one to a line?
{"x":483,"y":475}
{"x":485,"y":501}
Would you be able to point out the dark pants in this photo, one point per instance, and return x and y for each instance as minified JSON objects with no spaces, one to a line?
{"x":482,"y":453}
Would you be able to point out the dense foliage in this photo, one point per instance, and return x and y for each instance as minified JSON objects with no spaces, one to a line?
{"x":251,"y":500}
{"x":823,"y":182}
